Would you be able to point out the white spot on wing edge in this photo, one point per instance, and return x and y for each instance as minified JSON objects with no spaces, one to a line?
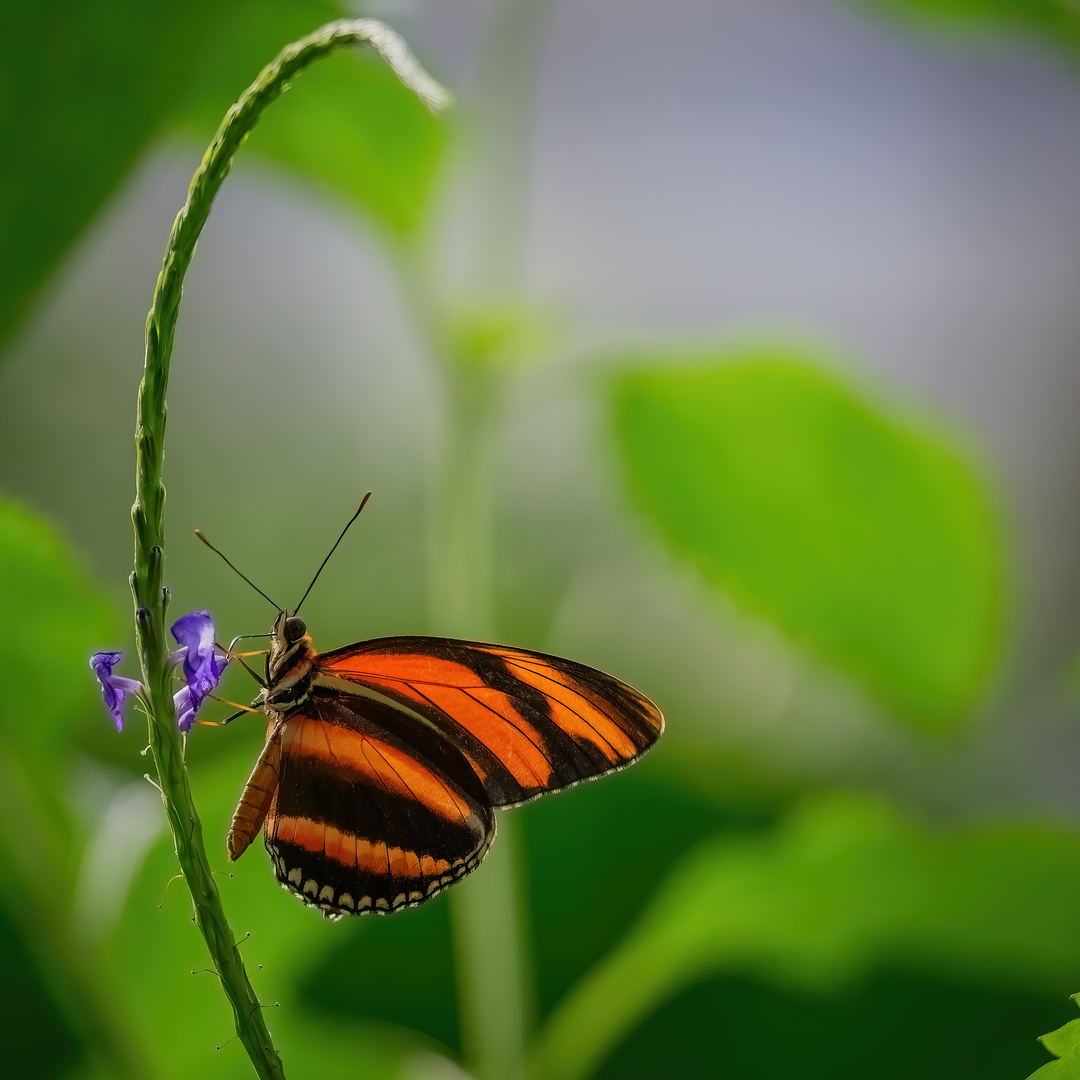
{"x":295,"y":876}
{"x":327,"y":893}
{"x":311,"y":886}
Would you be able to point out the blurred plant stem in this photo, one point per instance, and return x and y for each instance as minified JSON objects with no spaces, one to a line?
{"x":492,"y":942}
{"x":489,"y":925}
{"x":151,"y":597}
{"x":506,"y":104}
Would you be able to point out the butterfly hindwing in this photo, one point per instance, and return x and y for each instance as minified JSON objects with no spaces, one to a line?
{"x":526,"y":722}
{"x":366,"y":819}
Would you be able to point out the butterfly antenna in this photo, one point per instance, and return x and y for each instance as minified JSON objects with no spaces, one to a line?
{"x":199,"y":534}
{"x":363,"y":503}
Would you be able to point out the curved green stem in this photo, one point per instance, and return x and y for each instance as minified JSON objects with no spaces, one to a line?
{"x":148,"y":513}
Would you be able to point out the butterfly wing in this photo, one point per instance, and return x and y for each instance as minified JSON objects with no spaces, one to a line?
{"x":527,"y":723}
{"x":362,"y":819}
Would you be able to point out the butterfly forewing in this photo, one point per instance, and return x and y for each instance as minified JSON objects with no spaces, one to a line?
{"x":363,"y":819}
{"x":527,"y":723}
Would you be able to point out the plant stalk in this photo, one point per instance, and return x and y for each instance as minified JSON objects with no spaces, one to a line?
{"x":490,"y":954}
{"x":489,"y":927}
{"x":148,"y":512}
{"x":492,"y":939}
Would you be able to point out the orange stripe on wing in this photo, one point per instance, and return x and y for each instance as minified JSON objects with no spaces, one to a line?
{"x":340,"y":846}
{"x":572,"y":711}
{"x":490,"y":716}
{"x":396,"y":667}
{"x":345,"y":848}
{"x":399,"y":863}
{"x":433,"y":868}
{"x":285,"y":828}
{"x":377,"y":762}
{"x":487,"y":714}
{"x":630,"y":706}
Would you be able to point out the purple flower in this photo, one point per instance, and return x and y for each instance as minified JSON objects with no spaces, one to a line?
{"x":114,"y":688}
{"x":202,"y":670}
{"x":202,"y":664}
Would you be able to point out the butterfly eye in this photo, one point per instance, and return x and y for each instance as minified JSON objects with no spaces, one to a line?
{"x":294,"y":628}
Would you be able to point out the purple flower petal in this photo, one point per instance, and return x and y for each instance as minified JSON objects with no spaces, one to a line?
{"x":114,"y":688}
{"x":203,"y":665}
{"x":195,"y":634}
{"x":185,"y":710}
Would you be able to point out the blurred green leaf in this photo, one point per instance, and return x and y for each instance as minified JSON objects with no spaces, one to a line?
{"x":83,"y":88}
{"x":500,"y":336}
{"x":25,"y":1006}
{"x":892,"y":1025}
{"x":1064,"y":1044}
{"x":844,"y":886}
{"x":410,"y":959}
{"x":1056,"y":20}
{"x":858,"y":531}
{"x":55,"y":617}
{"x":352,"y":127}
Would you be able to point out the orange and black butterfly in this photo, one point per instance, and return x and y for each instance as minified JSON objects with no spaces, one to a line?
{"x":385,"y":760}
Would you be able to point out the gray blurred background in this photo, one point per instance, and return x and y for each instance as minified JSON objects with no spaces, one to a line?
{"x":908,"y":203}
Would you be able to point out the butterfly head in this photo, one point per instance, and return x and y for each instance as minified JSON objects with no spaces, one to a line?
{"x":288,"y":635}
{"x":289,"y":663}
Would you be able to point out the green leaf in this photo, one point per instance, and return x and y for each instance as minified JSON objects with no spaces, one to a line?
{"x":860,"y":532}
{"x":83,"y":89}
{"x":349,"y":125}
{"x":1064,"y":1044}
{"x":847,"y":884}
{"x":1055,"y":20}
{"x":54,"y":618}
{"x":353,"y":128}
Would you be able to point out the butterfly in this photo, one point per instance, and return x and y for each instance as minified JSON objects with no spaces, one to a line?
{"x":385,"y":760}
